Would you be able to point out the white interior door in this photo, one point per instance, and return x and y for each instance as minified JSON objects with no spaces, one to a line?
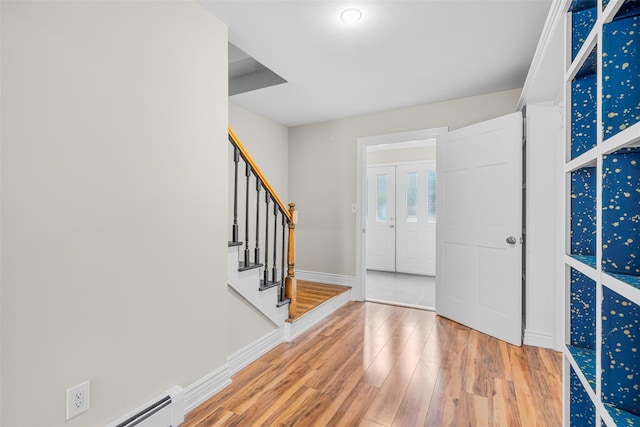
{"x":416,"y":219}
{"x":381,"y":209}
{"x":479,"y":261}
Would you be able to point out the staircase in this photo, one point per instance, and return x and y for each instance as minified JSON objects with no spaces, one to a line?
{"x":261,"y":255}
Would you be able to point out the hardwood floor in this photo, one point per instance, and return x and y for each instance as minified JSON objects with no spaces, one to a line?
{"x":311,"y":294}
{"x":379,"y":365}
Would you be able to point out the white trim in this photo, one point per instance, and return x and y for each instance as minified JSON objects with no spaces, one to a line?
{"x":204,"y":388}
{"x":401,"y":304}
{"x":331,"y":279}
{"x":359,"y":288}
{"x":412,"y":135}
{"x":408,"y":163}
{"x":302,"y":324}
{"x":404,"y":145}
{"x":539,"y":339}
{"x":253,"y":351}
{"x":554,"y":18}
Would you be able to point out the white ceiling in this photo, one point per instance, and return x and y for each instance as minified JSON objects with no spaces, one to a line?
{"x":402,"y":53}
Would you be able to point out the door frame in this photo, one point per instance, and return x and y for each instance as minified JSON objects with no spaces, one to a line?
{"x":358,"y":292}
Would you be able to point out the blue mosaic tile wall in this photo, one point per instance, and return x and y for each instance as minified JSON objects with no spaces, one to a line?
{"x":620,"y":352}
{"x":584,"y":114}
{"x":582,"y":22}
{"x":628,"y":8}
{"x":583,"y":413}
{"x":621,"y":212}
{"x":583,"y":211}
{"x":583,"y":311}
{"x":621,"y":71}
{"x":621,"y":418}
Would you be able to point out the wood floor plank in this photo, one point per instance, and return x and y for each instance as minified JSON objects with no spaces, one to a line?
{"x":481,"y":408}
{"x":442,"y":411}
{"x":353,"y":407}
{"x":504,"y":408}
{"x":523,"y":386}
{"x":368,"y":423}
{"x":385,"y":406}
{"x":476,"y":374}
{"x":219,"y":417}
{"x":338,"y":391}
{"x":292,"y":411}
{"x":376,"y":365}
{"x":257,"y":410}
{"x":414,"y":405}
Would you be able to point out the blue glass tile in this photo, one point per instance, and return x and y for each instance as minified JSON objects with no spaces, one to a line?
{"x":621,"y":212}
{"x":583,"y":311}
{"x":589,"y":260}
{"x":629,"y":280}
{"x":583,"y":413}
{"x":620,"y":352}
{"x":622,"y":418}
{"x":578,"y":5}
{"x":621,"y":68}
{"x":583,"y":211}
{"x":582,"y":23}
{"x":586,"y":360}
{"x":584,"y":114}
{"x":628,"y":8}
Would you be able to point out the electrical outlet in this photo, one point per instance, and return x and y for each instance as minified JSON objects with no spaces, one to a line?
{"x":78,"y":399}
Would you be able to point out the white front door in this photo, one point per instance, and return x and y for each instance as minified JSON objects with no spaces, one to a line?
{"x":416,"y":219}
{"x":479,"y":252}
{"x":380,"y":218}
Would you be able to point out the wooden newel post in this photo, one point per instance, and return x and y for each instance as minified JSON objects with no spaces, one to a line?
{"x":290,"y":283}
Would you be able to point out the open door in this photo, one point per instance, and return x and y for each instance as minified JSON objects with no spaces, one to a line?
{"x":479,"y":227}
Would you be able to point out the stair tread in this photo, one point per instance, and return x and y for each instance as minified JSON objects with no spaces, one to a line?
{"x":283,"y":302}
{"x":251,"y":266}
{"x":268,"y":285}
{"x":311,"y":295}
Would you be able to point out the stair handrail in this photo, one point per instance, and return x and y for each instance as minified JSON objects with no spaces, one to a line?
{"x":244,"y":153}
{"x":289,"y":213}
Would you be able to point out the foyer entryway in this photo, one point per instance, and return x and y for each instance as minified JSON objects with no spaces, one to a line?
{"x":408,"y":290}
{"x":400,"y":220}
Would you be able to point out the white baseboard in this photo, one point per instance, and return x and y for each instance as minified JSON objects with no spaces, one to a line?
{"x":539,"y":339}
{"x":302,"y":324}
{"x":255,"y":350}
{"x":331,"y":279}
{"x":204,"y":388}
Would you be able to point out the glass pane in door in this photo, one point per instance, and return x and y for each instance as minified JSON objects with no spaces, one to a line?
{"x":431,"y":196}
{"x":411,"y":199}
{"x":381,"y":199}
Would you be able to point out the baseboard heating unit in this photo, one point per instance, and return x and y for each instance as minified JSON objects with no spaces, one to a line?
{"x":164,"y":411}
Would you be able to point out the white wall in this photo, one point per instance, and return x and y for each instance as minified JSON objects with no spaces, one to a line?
{"x":114,"y":148}
{"x":544,"y":200}
{"x":267,"y":142}
{"x":323,"y":177}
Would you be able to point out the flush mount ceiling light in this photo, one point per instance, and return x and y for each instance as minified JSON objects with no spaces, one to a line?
{"x":350,"y":16}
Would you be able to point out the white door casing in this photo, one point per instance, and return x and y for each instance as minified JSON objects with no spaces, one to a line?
{"x":415,"y":228}
{"x":380,"y":217}
{"x":479,"y":274}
